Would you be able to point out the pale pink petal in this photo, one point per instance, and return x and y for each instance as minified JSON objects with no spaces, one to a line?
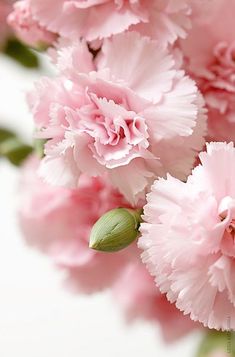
{"x":96,"y":20}
{"x":27,"y":29}
{"x":168,"y":21}
{"x":149,"y":70}
{"x":75,"y":55}
{"x":178,"y":111}
{"x":132,"y":181}
{"x":139,"y":298}
{"x":58,"y":166}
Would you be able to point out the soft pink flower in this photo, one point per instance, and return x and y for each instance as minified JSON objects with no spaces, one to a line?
{"x":188,"y":238}
{"x":57,"y":221}
{"x":131,"y":120}
{"x":27,"y":29}
{"x":165,"y":20}
{"x":210,"y":60}
{"x":136,"y":292}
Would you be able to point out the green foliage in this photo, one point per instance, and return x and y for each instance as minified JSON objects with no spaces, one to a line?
{"x":21,"y":53}
{"x":217,"y":341}
{"x":15,"y":150}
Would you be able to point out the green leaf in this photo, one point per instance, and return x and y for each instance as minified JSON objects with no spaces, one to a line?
{"x":15,"y":150}
{"x":5,"y":134}
{"x":21,"y":53}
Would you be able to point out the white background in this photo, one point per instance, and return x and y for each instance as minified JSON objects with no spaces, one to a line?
{"x":37,"y":317}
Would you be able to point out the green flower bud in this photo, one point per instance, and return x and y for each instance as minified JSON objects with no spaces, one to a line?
{"x":217,"y":341}
{"x":14,"y":150}
{"x":115,"y":230}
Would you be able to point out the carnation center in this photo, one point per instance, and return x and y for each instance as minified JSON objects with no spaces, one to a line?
{"x":223,"y":67}
{"x":116,"y":135}
{"x":218,"y":84}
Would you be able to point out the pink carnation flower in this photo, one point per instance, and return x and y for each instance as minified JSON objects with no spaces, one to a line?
{"x":210,"y":60}
{"x":165,"y":20}
{"x":188,"y":238}
{"x":58,"y":221}
{"x":27,"y":29}
{"x":136,"y":292}
{"x":131,"y":121}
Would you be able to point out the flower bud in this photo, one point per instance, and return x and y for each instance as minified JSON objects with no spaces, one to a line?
{"x":115,"y":230}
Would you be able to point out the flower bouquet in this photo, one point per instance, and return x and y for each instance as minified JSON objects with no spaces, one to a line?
{"x":130,"y":182}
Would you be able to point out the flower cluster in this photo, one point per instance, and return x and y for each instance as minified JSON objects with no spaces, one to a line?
{"x":124,"y":120}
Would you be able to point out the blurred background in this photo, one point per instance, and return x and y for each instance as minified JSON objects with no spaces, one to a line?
{"x":38,"y":318}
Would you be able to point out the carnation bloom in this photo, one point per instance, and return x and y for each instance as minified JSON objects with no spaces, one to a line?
{"x":165,"y":20}
{"x":136,"y":292}
{"x":58,"y":221}
{"x":188,"y":238}
{"x":131,"y":121}
{"x":210,"y":60}
{"x":27,"y":29}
